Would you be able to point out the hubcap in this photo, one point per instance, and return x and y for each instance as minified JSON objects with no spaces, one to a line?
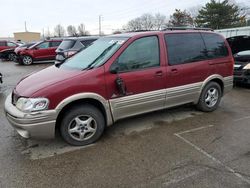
{"x":82,"y":127}
{"x":212,"y":97}
{"x":27,"y":60}
{"x":12,"y":57}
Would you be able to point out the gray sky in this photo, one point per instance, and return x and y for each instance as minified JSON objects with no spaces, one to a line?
{"x":46,"y":14}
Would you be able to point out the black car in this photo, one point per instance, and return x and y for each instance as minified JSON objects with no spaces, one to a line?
{"x":9,"y":54}
{"x":242,"y":67}
{"x":240,"y":46}
{"x":71,"y":46}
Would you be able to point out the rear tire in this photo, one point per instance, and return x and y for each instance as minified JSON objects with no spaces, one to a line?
{"x":27,"y":60}
{"x":82,"y":125}
{"x":210,"y":97}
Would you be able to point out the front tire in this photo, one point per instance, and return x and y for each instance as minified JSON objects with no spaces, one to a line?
{"x":210,"y":97}
{"x":12,"y":57}
{"x":27,"y":60}
{"x":82,"y":125}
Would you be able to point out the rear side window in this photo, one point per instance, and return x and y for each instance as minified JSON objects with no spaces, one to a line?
{"x":2,"y":43}
{"x":86,"y":43}
{"x":66,"y":44}
{"x":215,"y":45}
{"x":185,"y":48}
{"x":141,"y":54}
{"x":55,"y":43}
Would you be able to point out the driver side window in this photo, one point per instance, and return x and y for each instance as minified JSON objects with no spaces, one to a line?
{"x":141,"y":54}
{"x":44,"y":45}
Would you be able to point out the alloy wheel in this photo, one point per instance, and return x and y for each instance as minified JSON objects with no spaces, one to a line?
{"x":82,"y":127}
{"x":27,"y":60}
{"x":211,"y":97}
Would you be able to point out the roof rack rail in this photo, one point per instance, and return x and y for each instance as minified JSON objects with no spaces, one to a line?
{"x":141,"y":30}
{"x":188,"y":28}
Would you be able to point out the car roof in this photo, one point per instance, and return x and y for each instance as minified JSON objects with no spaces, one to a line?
{"x":145,"y":33}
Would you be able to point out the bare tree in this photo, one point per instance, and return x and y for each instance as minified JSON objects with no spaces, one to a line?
{"x":146,"y":22}
{"x":72,"y":31}
{"x":59,"y":31}
{"x":82,"y":31}
{"x":160,"y":21}
{"x":134,"y":25}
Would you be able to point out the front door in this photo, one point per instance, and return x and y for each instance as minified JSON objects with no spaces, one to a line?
{"x":41,"y":51}
{"x":143,"y":73}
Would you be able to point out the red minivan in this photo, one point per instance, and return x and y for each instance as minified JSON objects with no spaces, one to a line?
{"x":44,"y":51}
{"x":120,"y":76}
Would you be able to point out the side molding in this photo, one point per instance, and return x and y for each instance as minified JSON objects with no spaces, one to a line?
{"x":95,"y":96}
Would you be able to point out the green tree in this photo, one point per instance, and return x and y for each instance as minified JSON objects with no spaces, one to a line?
{"x":181,"y":18}
{"x":219,"y":15}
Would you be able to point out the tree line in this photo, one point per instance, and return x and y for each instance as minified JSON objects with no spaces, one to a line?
{"x":214,"y":15}
{"x":71,"y":30}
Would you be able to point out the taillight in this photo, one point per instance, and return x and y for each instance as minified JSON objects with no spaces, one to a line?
{"x":69,"y":53}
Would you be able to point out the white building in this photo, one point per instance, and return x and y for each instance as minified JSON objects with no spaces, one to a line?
{"x":232,"y":32}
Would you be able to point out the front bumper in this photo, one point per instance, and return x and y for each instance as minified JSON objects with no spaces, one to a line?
{"x":18,"y":59}
{"x":242,"y":76}
{"x":36,"y":124}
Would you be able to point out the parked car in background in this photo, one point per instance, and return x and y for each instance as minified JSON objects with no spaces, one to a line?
{"x":10,"y":54}
{"x":239,"y":43}
{"x":44,"y":51}
{"x":119,"y":76}
{"x":7,"y":44}
{"x":242,"y":67}
{"x":71,"y":46}
{"x":240,"y":46}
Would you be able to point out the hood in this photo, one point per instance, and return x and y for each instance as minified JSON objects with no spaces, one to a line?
{"x":7,"y":50}
{"x":42,"y":79}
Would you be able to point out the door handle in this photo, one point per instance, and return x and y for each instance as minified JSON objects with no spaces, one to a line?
{"x":159,"y":74}
{"x":174,"y":71}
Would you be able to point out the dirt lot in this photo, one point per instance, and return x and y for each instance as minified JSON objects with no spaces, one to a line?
{"x":180,"y":147}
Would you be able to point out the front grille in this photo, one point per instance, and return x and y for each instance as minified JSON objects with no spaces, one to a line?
{"x":238,"y":73}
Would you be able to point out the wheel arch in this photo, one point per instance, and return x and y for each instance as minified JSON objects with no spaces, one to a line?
{"x":85,"y":98}
{"x":214,"y":78}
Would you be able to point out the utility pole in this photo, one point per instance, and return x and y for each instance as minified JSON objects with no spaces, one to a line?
{"x":43,"y":34}
{"x":100,"y":25}
{"x":25,"y":26}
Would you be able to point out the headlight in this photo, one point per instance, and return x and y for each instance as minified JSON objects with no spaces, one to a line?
{"x":32,"y":104}
{"x":247,"y":67}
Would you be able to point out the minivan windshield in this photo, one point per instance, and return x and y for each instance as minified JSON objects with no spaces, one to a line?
{"x":96,"y":54}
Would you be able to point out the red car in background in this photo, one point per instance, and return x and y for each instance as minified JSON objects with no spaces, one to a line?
{"x":7,"y":45}
{"x":43,"y":51}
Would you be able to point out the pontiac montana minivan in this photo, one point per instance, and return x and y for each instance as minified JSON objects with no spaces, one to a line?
{"x":119,"y":76}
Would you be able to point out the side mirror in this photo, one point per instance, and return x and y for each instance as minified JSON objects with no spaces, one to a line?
{"x":35,"y":48}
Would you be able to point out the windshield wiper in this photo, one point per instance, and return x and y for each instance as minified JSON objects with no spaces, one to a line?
{"x":91,"y":65}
